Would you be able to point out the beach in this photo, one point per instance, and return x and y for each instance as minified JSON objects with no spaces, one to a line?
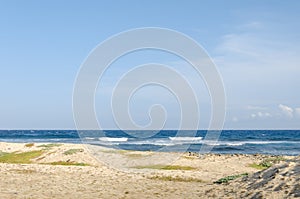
{"x":47,"y":170}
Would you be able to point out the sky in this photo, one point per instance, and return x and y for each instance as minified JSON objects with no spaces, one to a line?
{"x":255,"y":46}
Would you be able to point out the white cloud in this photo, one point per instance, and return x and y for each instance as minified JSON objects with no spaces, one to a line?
{"x":238,"y":44}
{"x":268,"y":115}
{"x":251,"y":63}
{"x":288,"y":111}
{"x":263,"y":114}
{"x":260,"y":115}
{"x":248,"y":48}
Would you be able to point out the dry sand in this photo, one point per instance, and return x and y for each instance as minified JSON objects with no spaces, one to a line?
{"x":39,"y":179}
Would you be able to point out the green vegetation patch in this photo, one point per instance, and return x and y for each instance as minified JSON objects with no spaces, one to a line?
{"x":268,"y":162}
{"x":128,"y":153}
{"x":65,"y":163}
{"x":175,"y":179}
{"x":29,"y":145}
{"x":258,"y":166}
{"x":49,"y":146}
{"x":72,"y":151}
{"x":19,"y":158}
{"x":229,"y":178}
{"x":2,"y":153}
{"x":123,"y":152}
{"x":166,"y":167}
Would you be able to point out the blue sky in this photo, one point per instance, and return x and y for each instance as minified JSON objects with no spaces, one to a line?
{"x":255,"y":45}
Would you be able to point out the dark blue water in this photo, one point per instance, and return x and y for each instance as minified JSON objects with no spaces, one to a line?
{"x":277,"y":142}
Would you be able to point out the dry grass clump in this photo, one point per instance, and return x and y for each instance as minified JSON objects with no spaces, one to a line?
{"x":68,"y":163}
{"x":29,"y":145}
{"x":166,"y":167}
{"x":175,"y":178}
{"x":72,"y":151}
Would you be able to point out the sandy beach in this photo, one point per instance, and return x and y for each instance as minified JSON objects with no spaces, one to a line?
{"x":45,"y":170}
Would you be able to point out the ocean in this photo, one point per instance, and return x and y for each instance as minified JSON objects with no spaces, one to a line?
{"x":275,"y":142}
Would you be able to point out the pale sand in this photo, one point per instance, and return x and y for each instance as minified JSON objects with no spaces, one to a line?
{"x":41,"y":180}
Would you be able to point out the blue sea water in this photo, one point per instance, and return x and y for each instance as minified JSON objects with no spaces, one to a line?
{"x":276,"y":142}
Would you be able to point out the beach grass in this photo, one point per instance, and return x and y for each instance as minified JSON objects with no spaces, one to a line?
{"x":268,"y":162}
{"x":66,"y":163}
{"x":27,"y":157}
{"x":175,"y":179}
{"x":29,"y":145}
{"x":258,"y":166}
{"x":2,"y":153}
{"x":166,"y":167}
{"x":49,"y":146}
{"x":19,"y":158}
{"x":229,"y":178}
{"x":72,"y":151}
{"x":128,"y":153}
{"x":123,"y":152}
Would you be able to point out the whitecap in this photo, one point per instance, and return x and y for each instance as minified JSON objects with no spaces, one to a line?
{"x":110,"y":139}
{"x":185,"y":138}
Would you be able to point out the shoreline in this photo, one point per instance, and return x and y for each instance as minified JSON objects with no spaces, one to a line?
{"x":230,"y":141}
{"x":63,"y":170}
{"x":156,"y":151}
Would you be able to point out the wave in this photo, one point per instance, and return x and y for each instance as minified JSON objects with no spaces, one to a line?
{"x":240,"y":143}
{"x":185,"y":138}
{"x":111,"y":139}
{"x":172,"y":141}
{"x":156,"y":142}
{"x":88,"y":138}
{"x":261,"y":142}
